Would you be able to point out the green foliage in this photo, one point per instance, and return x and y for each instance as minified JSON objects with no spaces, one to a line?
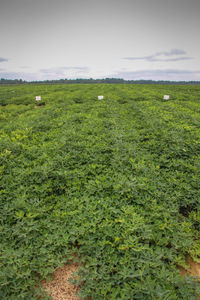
{"x":116,"y":181}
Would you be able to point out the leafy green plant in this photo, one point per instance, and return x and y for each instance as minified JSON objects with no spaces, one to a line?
{"x":115,"y":181}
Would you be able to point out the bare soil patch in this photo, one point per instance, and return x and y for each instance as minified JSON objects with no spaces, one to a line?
{"x":59,"y":288}
{"x":193,"y":270}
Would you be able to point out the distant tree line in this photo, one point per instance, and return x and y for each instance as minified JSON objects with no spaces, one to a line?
{"x":91,"y":80}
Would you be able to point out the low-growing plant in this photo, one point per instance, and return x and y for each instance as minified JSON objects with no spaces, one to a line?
{"x":115,"y":181}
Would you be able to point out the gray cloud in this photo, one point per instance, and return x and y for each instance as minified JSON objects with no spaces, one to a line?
{"x":172,"y":52}
{"x":63,"y":70}
{"x":48,"y":74}
{"x":19,"y":75}
{"x":160,"y":74}
{"x":174,"y":59}
{"x":2,"y":59}
{"x":158,"y":56}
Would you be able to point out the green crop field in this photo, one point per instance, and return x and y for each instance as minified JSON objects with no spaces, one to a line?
{"x":115,"y":181}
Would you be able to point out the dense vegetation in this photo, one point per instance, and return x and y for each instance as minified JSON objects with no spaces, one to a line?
{"x":115,"y":181}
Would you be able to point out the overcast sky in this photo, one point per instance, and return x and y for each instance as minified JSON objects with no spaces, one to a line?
{"x":130,"y":39}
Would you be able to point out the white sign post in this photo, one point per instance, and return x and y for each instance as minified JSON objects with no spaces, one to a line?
{"x":38,"y":98}
{"x":166,"y":97}
{"x":100,"y":97}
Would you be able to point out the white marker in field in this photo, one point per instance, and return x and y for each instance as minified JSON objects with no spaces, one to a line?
{"x":38,"y":98}
{"x":100,"y":97}
{"x":166,"y":97}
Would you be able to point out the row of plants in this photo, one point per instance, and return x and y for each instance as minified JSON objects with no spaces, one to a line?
{"x":115,"y":181}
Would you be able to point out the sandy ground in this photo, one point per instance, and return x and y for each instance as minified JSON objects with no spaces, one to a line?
{"x":59,"y":288}
{"x":194,"y":269}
